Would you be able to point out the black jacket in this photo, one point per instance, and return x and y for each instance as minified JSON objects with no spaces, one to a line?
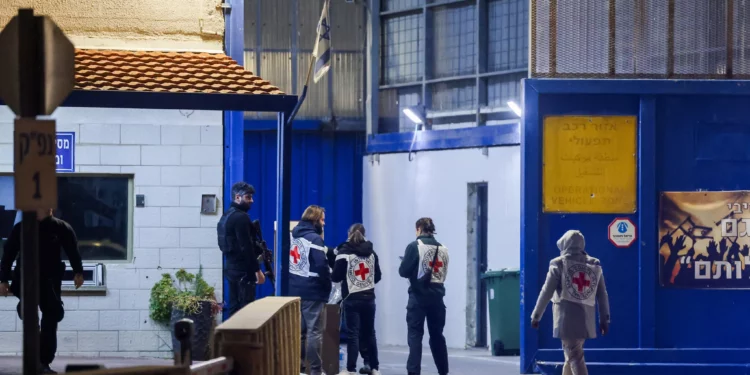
{"x":54,"y":235}
{"x":342,"y":268}
{"x":239,"y":246}
{"x":410,"y":268}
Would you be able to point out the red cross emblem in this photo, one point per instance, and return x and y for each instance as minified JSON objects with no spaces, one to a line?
{"x":362,"y":271}
{"x":295,"y":254}
{"x":581,"y":281}
{"x":436,"y":267}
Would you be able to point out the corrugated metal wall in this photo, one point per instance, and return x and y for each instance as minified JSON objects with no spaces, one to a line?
{"x":280,"y":32}
{"x":327,"y":171}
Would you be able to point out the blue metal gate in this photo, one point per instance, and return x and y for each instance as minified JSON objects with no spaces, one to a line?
{"x":691,"y":136}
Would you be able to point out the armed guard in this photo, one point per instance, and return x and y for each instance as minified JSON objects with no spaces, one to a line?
{"x":425,"y":264}
{"x":54,"y":235}
{"x":237,"y":240}
{"x":575,"y":284}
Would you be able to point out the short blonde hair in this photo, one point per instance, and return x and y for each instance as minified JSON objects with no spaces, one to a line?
{"x":313,"y":213}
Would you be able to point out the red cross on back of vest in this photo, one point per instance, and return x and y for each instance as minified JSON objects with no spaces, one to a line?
{"x":436,"y":267}
{"x":362,"y":271}
{"x":295,"y":254}
{"x":581,"y":281}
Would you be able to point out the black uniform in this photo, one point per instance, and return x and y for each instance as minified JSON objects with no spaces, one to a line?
{"x":358,"y":270}
{"x":425,"y":303}
{"x":237,"y":240}
{"x":54,"y":235}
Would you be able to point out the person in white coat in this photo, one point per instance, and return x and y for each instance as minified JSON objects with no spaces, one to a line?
{"x":575,"y":285}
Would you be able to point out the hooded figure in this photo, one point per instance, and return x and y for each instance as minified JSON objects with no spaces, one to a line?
{"x":310,"y":279}
{"x":358,"y":270}
{"x":575,"y":284}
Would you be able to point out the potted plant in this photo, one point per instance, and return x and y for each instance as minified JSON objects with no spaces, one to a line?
{"x":189,"y":297}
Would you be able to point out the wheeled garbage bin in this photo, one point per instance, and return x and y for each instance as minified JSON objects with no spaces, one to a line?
{"x":504,"y":295}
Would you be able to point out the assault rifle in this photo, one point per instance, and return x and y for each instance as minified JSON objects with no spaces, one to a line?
{"x":266,"y":255}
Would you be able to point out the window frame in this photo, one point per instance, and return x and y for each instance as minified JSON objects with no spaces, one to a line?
{"x":130,"y":215}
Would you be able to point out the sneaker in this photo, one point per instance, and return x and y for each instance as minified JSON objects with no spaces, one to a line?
{"x":45,"y":369}
{"x":365,"y":370}
{"x":375,"y":372}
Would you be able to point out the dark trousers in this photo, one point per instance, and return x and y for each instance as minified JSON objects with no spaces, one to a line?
{"x":53,"y":312}
{"x":241,"y":290}
{"x":360,"y":329}
{"x":363,"y":349}
{"x":312,"y":334}
{"x":416,"y":313}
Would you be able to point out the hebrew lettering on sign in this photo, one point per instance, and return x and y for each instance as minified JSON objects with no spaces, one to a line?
{"x":589,"y":164}
{"x":705,"y":240}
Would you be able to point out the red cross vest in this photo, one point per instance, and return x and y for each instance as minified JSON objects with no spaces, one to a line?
{"x":360,"y":272}
{"x":439,"y":269}
{"x":579,"y":282}
{"x":299,"y":256}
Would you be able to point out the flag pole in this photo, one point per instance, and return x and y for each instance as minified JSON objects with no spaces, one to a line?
{"x":304,"y":90}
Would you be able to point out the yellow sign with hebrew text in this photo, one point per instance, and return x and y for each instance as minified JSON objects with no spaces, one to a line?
{"x":589,"y":164}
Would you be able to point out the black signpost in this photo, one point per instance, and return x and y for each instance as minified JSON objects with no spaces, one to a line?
{"x":37,"y":65}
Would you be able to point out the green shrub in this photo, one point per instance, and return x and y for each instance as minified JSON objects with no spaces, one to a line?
{"x":187,"y":295}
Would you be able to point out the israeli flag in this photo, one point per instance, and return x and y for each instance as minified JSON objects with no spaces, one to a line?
{"x":322,"y":51}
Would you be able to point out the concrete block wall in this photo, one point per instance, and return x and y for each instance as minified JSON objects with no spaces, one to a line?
{"x":176,"y":156}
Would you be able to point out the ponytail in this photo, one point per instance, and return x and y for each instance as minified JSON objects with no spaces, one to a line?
{"x":357,"y":234}
{"x":426,"y":225}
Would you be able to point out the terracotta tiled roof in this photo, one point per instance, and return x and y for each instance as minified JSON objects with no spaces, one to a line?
{"x":106,"y":70}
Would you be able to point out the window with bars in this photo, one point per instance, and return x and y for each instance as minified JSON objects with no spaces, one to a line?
{"x":454,"y":95}
{"x":396,"y":5}
{"x":461,"y":54}
{"x":507,"y":39}
{"x":504,"y":88}
{"x":402,"y":49}
{"x":453,"y":42}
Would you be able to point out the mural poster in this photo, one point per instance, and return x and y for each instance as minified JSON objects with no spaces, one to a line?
{"x":705,"y":240}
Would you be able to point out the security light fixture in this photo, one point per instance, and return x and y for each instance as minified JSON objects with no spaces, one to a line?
{"x":515,"y":108}
{"x":416,"y":114}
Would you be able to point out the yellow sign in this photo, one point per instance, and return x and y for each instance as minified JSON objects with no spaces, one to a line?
{"x":34,"y":158}
{"x":589,"y":164}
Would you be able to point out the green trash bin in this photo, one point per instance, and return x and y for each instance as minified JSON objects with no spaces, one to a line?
{"x":503,"y":296}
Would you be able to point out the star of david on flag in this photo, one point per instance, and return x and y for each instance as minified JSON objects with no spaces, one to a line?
{"x":322,"y":50}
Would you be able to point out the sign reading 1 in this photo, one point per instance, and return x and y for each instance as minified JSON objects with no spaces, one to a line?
{"x":34,"y":160}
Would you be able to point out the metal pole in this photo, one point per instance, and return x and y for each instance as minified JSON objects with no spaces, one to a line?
{"x":283,"y":201}
{"x":31,"y":71}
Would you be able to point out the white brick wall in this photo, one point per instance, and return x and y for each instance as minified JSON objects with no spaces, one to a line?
{"x":175,"y":159}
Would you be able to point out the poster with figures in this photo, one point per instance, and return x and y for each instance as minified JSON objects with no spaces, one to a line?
{"x":704,"y":240}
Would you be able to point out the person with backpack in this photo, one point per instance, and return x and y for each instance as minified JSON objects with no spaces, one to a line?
{"x":237,"y":240}
{"x":358,"y":270}
{"x":425,"y":264}
{"x":575,"y":284}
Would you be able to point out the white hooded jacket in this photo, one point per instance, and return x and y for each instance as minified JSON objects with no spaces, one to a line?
{"x":574,"y":284}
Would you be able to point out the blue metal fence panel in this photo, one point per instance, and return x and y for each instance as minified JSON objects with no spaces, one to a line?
{"x":326,"y":170}
{"x":675,"y":153}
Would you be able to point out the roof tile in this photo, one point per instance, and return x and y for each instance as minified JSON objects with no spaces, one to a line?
{"x":109,"y":70}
